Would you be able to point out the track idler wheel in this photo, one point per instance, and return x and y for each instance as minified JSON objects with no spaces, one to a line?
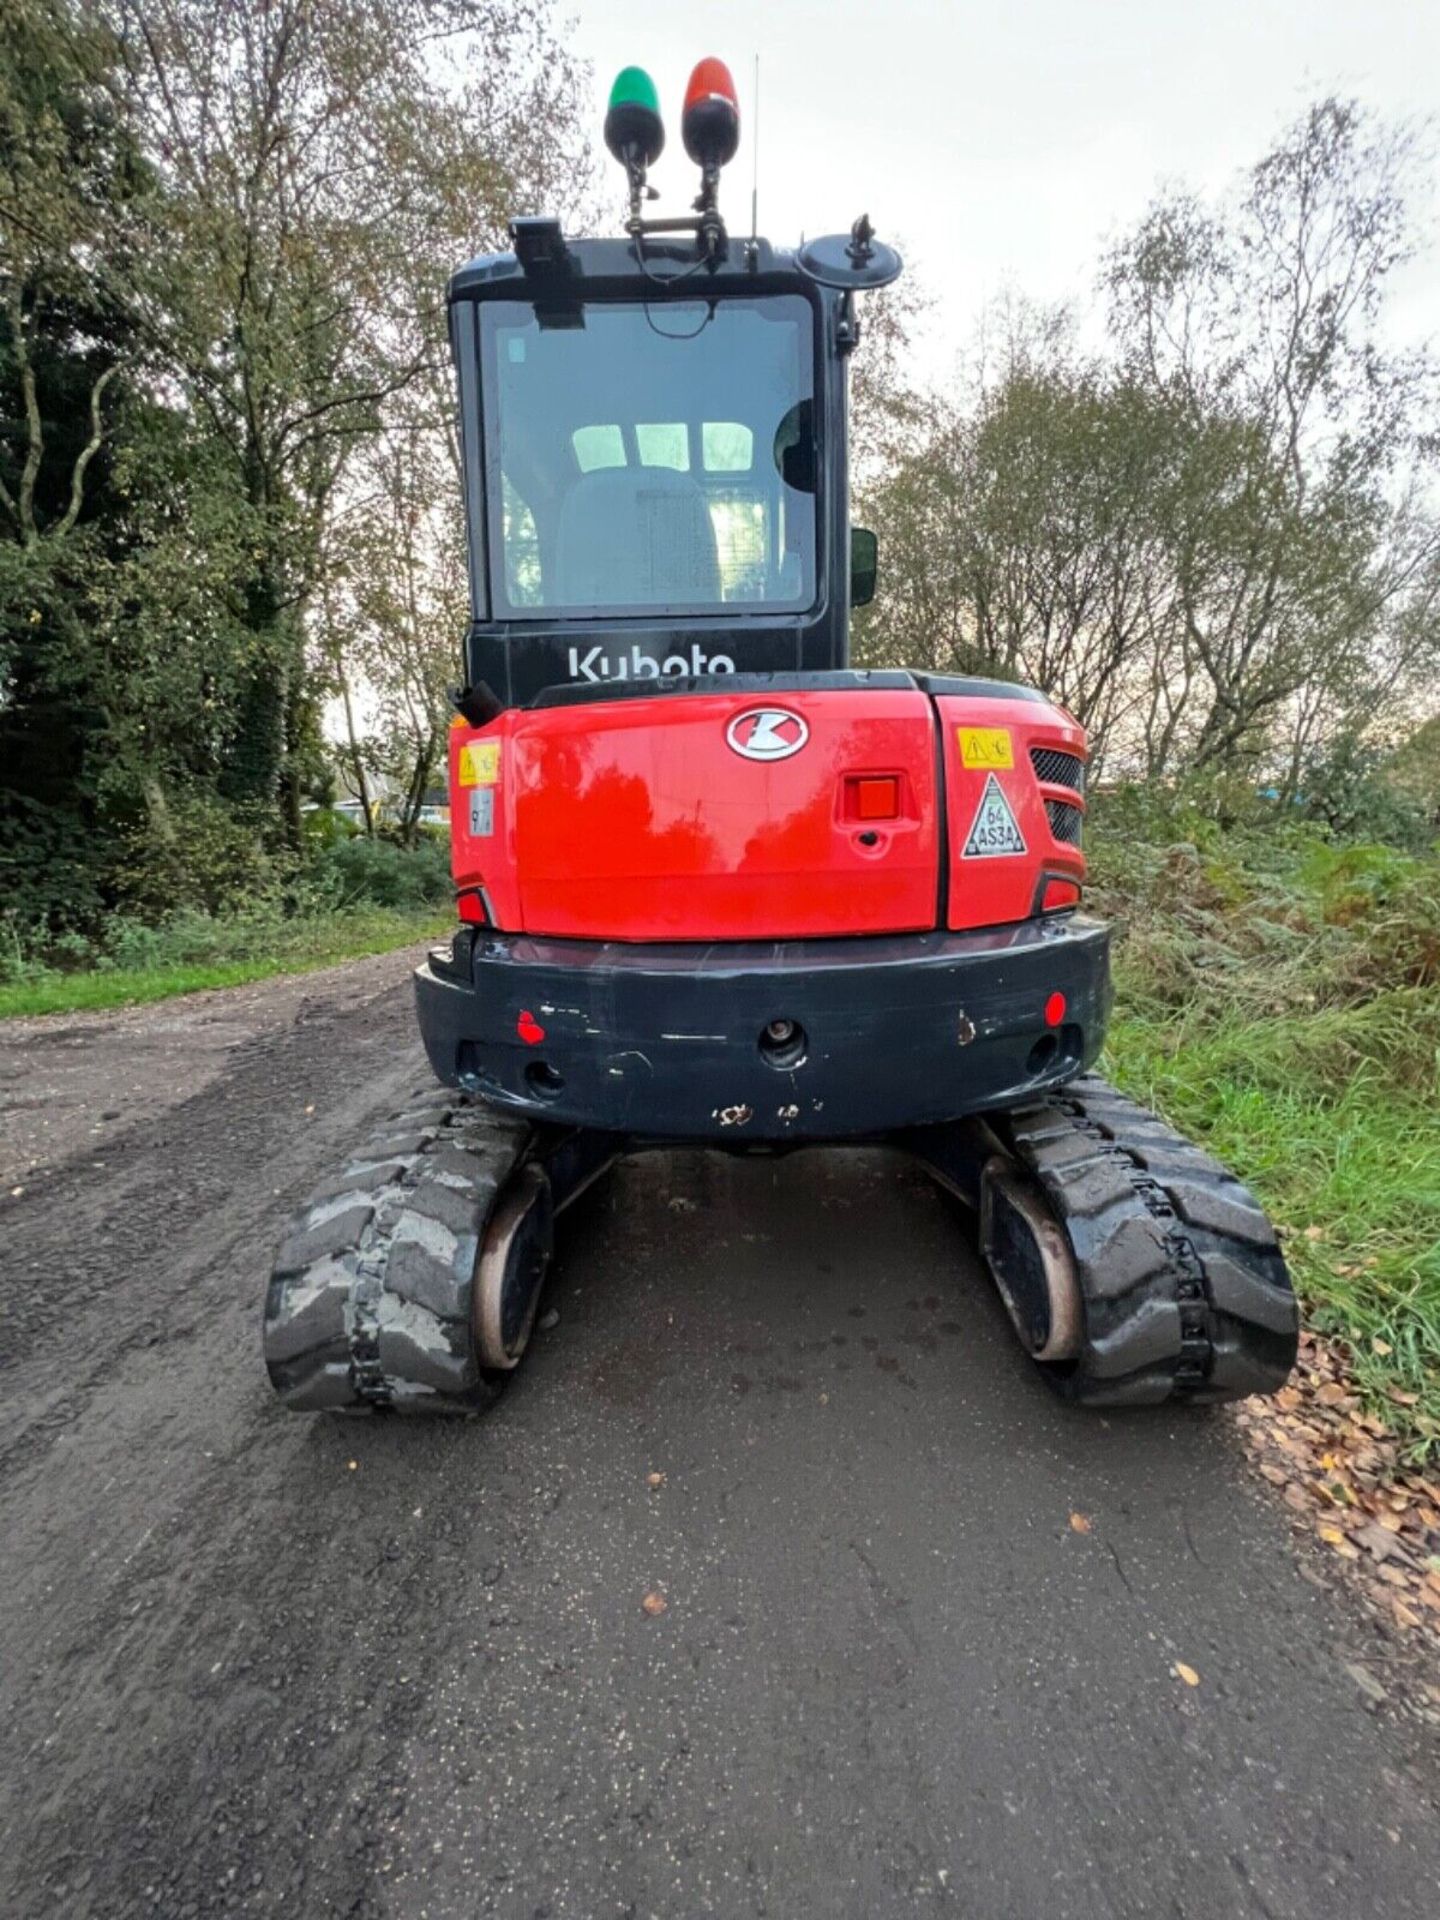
{"x":1031,"y":1264}
{"x":510,"y":1271}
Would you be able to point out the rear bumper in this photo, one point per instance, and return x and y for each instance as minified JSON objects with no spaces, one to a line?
{"x":665,"y":1042}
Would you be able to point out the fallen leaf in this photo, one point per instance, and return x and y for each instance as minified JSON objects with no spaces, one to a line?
{"x":310,"y":1109}
{"x":1402,"y":1398}
{"x":1314,"y":1233}
{"x":353,"y":1465}
{"x":1187,"y":1674}
{"x":1391,"y":1522}
{"x":1079,"y":1523}
{"x":1377,"y":1541}
{"x":1288,"y":1399}
{"x":1404,"y":1616}
{"x":1296,"y":1496}
{"x":1366,"y":1682}
{"x":1381,"y":1346}
{"x":654,"y":1603}
{"x":1332,"y":1394}
{"x":654,"y":1479}
{"x":1395,"y":1575}
{"x":1333,"y":1536}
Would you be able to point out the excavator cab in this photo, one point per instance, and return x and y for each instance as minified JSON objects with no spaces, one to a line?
{"x":655,"y":463}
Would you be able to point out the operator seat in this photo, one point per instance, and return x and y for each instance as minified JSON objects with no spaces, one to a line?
{"x":635,"y":536}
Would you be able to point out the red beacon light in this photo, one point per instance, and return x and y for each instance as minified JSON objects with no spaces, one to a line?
{"x":710,"y":121}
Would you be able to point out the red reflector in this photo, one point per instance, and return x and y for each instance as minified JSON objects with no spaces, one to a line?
{"x":877,"y":798}
{"x":472,"y":908}
{"x":529,"y":1028}
{"x":1054,"y":1009}
{"x":1060,"y":893}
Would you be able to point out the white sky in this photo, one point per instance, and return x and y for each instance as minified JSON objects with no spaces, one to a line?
{"x":1000,"y":145}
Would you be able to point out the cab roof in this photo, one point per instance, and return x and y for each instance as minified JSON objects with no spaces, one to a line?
{"x":610,"y":264}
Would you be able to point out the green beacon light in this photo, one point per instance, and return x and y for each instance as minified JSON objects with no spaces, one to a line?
{"x":634,"y":131}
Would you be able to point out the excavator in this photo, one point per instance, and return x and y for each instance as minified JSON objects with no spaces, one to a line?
{"x":717,"y":887}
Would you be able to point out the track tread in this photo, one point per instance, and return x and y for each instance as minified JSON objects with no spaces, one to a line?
{"x":368,"y":1306}
{"x":1186,"y":1293}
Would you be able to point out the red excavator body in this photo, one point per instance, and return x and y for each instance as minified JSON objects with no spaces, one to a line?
{"x":781,"y":907}
{"x":655,"y":818}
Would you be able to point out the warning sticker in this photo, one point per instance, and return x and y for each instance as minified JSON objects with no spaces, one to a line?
{"x":985,"y":747}
{"x":994,"y":829}
{"x":480,"y":763}
{"x":482,"y":812}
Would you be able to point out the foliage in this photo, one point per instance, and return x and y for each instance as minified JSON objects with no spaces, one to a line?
{"x":382,"y":873}
{"x":1279,"y":998}
{"x":224,"y":235}
{"x":197,"y":952}
{"x":1215,"y":538}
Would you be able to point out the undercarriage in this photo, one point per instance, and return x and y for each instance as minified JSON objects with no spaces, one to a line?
{"x":1135,"y":1269}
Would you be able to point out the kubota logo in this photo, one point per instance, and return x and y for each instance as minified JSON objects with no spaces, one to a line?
{"x":767,"y":733}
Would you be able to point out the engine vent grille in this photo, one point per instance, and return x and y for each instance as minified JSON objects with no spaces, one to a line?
{"x":1059,"y":769}
{"x":1066,"y":821}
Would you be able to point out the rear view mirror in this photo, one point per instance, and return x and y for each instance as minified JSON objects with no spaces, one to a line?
{"x":864,"y":555}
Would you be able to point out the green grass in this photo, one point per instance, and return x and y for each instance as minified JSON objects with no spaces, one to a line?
{"x":1300,"y":1041}
{"x":297,"y":946}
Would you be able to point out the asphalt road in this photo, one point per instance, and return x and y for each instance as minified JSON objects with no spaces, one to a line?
{"x":261,"y":1664}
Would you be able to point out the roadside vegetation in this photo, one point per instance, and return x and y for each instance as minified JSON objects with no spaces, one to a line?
{"x":349,"y":895}
{"x":1278,"y":998}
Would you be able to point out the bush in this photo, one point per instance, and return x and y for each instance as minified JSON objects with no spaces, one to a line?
{"x":196,"y":852}
{"x":382,"y":873}
{"x":1351,"y":789}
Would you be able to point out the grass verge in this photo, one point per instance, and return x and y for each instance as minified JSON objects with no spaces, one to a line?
{"x":297,"y":946}
{"x":1296,"y":1034}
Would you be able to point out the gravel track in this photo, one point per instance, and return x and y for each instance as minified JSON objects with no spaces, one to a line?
{"x":254,"y":1663}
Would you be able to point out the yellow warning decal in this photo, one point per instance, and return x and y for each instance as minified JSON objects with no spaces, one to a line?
{"x":985,"y":747}
{"x":480,"y":763}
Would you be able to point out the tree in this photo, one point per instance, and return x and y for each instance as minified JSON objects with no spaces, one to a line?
{"x":224,"y":235}
{"x":315,"y":150}
{"x":1291,"y":519}
{"x":404,"y":604}
{"x":1216,"y":538}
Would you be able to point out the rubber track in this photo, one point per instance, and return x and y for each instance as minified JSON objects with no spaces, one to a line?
{"x":369,"y":1302}
{"x":1186,"y":1293}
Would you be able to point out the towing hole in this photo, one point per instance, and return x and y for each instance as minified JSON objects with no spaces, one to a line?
{"x":1054,"y":1051}
{"x":783,"y":1044}
{"x":544,"y":1079}
{"x":1041,"y":1054}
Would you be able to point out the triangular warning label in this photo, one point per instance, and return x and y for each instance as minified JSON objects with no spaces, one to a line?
{"x":994,"y":829}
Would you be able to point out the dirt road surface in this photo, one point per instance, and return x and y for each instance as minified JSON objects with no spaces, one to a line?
{"x":252,"y":1663}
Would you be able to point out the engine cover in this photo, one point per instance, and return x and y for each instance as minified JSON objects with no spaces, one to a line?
{"x":774,"y":807}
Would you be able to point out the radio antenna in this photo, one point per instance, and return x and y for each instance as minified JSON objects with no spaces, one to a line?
{"x":755,"y":161}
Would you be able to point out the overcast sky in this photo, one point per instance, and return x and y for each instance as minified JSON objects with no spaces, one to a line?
{"x":1001,"y":144}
